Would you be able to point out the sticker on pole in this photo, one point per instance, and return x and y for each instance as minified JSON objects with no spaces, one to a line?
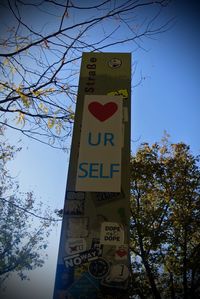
{"x":75,"y":245}
{"x":99,"y":161}
{"x":121,"y":252}
{"x":77,"y":227}
{"x":99,"y":268}
{"x":112,"y":233}
{"x":117,"y":278}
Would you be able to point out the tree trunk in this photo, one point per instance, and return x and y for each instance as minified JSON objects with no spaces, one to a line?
{"x":154,"y":289}
{"x":185,"y":283}
{"x":172,"y":286}
{"x":150,"y":276}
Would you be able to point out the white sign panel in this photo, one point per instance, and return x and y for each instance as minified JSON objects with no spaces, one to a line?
{"x":99,"y":162}
{"x":111,"y":233}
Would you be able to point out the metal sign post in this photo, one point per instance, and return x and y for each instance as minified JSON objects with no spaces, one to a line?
{"x":93,"y":259}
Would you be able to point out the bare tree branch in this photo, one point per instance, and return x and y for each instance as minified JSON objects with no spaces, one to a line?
{"x":40,"y":62}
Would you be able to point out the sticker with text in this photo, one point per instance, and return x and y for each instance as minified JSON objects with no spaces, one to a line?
{"x":99,"y":160}
{"x":111,"y":233}
{"x":77,"y":227}
{"x":105,"y":197}
{"x":82,"y":258}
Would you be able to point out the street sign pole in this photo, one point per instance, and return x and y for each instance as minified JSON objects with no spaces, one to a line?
{"x":93,"y":259}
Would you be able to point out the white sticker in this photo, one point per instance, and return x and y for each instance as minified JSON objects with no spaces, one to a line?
{"x":77,"y":227}
{"x":99,"y":160}
{"x":82,"y":258}
{"x":75,"y":245}
{"x":118,"y":273}
{"x":121,"y":252}
{"x":112,"y":233}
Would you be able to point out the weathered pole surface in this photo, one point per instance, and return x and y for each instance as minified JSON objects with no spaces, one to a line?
{"x":93,"y":259}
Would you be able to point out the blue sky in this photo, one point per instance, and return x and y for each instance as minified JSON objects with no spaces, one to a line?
{"x":167,"y":99}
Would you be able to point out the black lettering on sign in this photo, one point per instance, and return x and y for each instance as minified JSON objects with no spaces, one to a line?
{"x":91,"y":78}
{"x":75,"y":195}
{"x":101,"y":198}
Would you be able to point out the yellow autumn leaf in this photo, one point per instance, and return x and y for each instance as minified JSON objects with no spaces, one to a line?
{"x":25,"y":98}
{"x":5,"y":62}
{"x":17,"y":48}
{"x":13,"y":70}
{"x":163,"y":150}
{"x":21,"y":118}
{"x":51,"y":123}
{"x":72,"y":116}
{"x":41,"y":106}
{"x":45,"y":109}
{"x":112,"y":93}
{"x":122,"y":92}
{"x":37,"y":92}
{"x":50,"y":90}
{"x":42,"y":91}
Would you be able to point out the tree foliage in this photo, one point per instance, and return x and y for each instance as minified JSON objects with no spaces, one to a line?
{"x":24,"y":224}
{"x":41,"y":45}
{"x":165,"y":230}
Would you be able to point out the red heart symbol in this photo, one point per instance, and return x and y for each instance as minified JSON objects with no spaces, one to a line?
{"x":102,"y":112}
{"x":121,"y":252}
